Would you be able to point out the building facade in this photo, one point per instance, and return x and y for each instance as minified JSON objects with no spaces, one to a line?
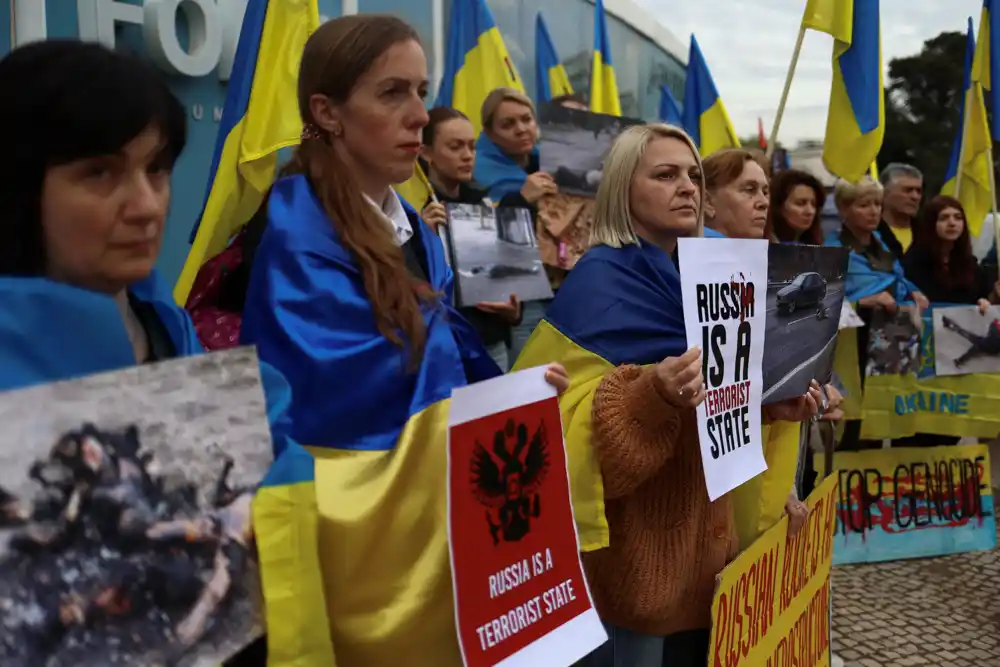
{"x":193,"y":42}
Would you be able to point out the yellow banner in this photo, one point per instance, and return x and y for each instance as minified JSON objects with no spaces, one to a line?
{"x":772,"y":604}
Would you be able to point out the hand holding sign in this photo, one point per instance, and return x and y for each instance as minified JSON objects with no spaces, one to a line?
{"x":681,"y":380}
{"x":798,"y":409}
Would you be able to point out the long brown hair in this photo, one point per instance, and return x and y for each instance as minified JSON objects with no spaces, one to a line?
{"x":960,"y":269}
{"x":781,"y":188}
{"x":339,"y":53}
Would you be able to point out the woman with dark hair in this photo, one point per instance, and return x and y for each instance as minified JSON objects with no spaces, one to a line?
{"x":940,"y":261}
{"x":448,"y":156}
{"x":350,"y":297}
{"x":90,"y":139}
{"x":797,"y":198}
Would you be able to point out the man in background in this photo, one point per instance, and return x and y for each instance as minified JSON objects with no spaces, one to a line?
{"x":904,"y":188}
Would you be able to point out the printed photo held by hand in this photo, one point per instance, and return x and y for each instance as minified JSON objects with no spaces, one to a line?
{"x":126,"y":533}
{"x":521,"y":598}
{"x":894,"y":342}
{"x":966,"y":340}
{"x":723,"y":287}
{"x":493,"y":253}
{"x":805,"y":293}
{"x":573,"y":144}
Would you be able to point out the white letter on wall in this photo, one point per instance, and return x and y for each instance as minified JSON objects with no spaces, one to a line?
{"x":97,"y":19}
{"x":231,"y":12}
{"x":204,"y":35}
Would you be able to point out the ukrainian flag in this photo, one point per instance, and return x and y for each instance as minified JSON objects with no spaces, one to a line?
{"x":260,"y":117}
{"x":705,"y":117}
{"x":987,"y":58}
{"x":550,"y":74}
{"x":971,"y":148}
{"x":855,"y":123}
{"x":603,"y":84}
{"x":670,"y":109}
{"x":417,"y":190}
{"x":476,"y":61}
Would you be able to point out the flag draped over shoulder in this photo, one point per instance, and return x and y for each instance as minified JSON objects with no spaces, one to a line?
{"x":670,"y":109}
{"x":476,"y":61}
{"x":855,"y":123}
{"x":550,"y":75}
{"x":617,"y":306}
{"x":603,"y":83}
{"x":970,"y":154}
{"x":705,"y":117}
{"x":260,"y":117}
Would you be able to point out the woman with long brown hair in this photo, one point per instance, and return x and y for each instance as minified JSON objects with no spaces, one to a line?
{"x":940,"y":261}
{"x":797,"y":198}
{"x":349,"y":296}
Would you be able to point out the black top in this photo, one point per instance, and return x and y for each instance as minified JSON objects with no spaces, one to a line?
{"x":161,"y":345}
{"x":919,"y":266}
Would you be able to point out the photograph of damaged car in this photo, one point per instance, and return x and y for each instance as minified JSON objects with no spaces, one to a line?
{"x":125,"y":516}
{"x":807,"y":290}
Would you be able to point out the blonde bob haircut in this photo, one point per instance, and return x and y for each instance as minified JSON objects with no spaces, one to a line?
{"x":612,"y":211}
{"x":497,"y":97}
{"x":846,"y":193}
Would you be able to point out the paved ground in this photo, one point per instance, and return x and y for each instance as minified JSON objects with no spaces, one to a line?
{"x":935,"y":611}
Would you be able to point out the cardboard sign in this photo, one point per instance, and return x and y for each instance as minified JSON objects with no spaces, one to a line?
{"x":521,"y":597}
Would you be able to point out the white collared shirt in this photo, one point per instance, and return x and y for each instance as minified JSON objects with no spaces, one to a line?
{"x":394,"y":214}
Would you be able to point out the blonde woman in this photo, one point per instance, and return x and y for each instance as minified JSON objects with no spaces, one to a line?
{"x":652,"y":541}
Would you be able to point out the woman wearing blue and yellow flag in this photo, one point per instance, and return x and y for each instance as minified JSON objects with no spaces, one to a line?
{"x":875,"y":281}
{"x":85,"y":186}
{"x":737,"y":201}
{"x":350,"y":298}
{"x":652,"y":541}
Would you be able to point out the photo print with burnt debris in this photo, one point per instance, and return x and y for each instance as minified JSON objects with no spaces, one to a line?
{"x":493,"y":253}
{"x":894,"y":342}
{"x":125,"y":525}
{"x":966,"y":341}
{"x":805,"y":293}
{"x":573,"y":144}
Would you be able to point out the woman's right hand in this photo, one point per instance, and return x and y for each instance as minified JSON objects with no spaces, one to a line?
{"x":881,"y":300}
{"x":984,"y":305}
{"x":435,"y":215}
{"x":681,"y":380}
{"x":537,"y":186}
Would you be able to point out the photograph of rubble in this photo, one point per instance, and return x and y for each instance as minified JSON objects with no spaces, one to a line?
{"x":125,"y":515}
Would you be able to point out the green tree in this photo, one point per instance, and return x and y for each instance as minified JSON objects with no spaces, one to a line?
{"x":922,"y":107}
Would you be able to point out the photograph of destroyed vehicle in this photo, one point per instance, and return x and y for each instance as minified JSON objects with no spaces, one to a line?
{"x":807,"y":290}
{"x":114,"y":551}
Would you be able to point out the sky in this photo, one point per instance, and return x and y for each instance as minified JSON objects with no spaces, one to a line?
{"x":749,"y":51}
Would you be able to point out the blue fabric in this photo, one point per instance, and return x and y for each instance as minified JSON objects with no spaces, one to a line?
{"x":50,"y":331}
{"x":623,"y":304}
{"x":860,"y":65}
{"x":309,"y":315}
{"x":495,"y":169}
{"x":713,"y":234}
{"x":862,"y":281}
{"x":670,"y":108}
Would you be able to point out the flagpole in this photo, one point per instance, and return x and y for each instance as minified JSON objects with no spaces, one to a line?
{"x":771,"y":141}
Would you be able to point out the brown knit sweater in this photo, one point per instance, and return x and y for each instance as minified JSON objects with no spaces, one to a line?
{"x":667,"y":541}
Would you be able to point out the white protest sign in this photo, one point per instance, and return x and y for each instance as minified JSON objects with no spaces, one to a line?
{"x":724,"y":291}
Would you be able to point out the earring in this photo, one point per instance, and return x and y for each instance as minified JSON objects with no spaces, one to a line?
{"x":336,"y":130}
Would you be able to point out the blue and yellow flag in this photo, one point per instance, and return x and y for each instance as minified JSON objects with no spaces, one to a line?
{"x":550,"y":75}
{"x":261,"y":116}
{"x":670,"y":109}
{"x":987,"y":58}
{"x":603,"y":84}
{"x":970,"y":154}
{"x":476,"y":61}
{"x":617,"y":306}
{"x":705,"y":117}
{"x":855,"y":122}
{"x":417,"y":190}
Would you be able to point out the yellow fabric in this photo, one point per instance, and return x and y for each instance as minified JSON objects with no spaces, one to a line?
{"x":384,"y":549}
{"x":974,"y":188}
{"x":834,"y":17}
{"x":904,"y":235}
{"x":586,"y":370}
{"x":759,"y":503}
{"x":416,"y":190}
{"x":485,"y":68}
{"x":285,"y":523}
{"x":845,"y":364}
{"x":250,"y":154}
{"x":604,"y":88}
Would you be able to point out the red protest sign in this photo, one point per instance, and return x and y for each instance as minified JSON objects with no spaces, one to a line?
{"x":520,"y":592}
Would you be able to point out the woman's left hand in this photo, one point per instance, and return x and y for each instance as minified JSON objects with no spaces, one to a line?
{"x":984,"y":305}
{"x":797,"y":512}
{"x":509,"y":311}
{"x":555,"y":375}
{"x":921,"y":301}
{"x":834,"y":398}
{"x":797,"y":409}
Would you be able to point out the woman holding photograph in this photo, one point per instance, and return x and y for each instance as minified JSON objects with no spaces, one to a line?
{"x":449,"y":155}
{"x":350,"y":298}
{"x":736,"y":206}
{"x":91,"y":138}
